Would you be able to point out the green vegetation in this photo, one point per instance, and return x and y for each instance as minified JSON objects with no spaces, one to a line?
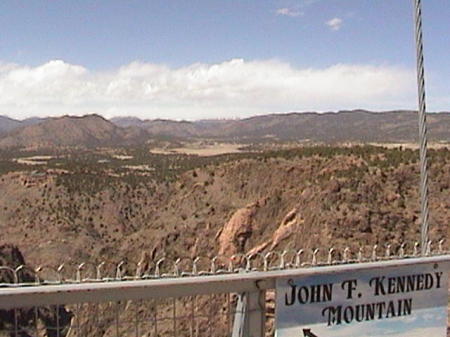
{"x":91,"y":171}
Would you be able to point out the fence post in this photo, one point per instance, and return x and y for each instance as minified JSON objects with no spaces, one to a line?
{"x":239,"y":324}
{"x":256,"y":314}
{"x":250,"y":315}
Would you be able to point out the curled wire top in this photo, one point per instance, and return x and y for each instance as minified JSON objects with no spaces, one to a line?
{"x":106,"y":271}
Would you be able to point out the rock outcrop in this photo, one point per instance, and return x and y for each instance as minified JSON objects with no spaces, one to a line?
{"x":237,"y":230}
{"x":285,"y":230}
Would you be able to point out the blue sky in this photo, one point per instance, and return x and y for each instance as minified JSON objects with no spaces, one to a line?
{"x":93,"y":43}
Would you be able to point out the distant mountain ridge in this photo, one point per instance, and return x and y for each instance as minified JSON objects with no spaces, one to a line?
{"x":85,"y":131}
{"x":8,"y":124}
{"x":344,"y":126}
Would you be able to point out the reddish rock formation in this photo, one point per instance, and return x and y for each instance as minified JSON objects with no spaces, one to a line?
{"x":287,"y":227}
{"x":237,"y":230}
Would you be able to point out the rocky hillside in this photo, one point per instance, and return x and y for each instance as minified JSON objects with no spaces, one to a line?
{"x":308,"y":198}
{"x":302,"y":198}
{"x":307,"y":202}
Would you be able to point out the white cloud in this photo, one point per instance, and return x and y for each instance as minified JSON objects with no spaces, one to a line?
{"x":334,"y":24}
{"x":228,"y":89}
{"x":292,"y":12}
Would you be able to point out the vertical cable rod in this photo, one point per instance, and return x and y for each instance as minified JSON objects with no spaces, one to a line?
{"x":424,"y":211}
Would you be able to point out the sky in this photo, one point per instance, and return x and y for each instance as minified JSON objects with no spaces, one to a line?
{"x":201,"y":59}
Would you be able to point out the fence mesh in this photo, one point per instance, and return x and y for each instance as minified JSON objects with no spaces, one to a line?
{"x":194,"y":316}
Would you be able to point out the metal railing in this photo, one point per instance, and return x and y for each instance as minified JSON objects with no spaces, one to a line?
{"x":232,"y":297}
{"x":163,"y":267}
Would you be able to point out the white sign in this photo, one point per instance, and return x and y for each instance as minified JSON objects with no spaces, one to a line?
{"x":395,"y":302}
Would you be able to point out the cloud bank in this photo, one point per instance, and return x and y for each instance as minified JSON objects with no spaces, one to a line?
{"x":235,"y":88}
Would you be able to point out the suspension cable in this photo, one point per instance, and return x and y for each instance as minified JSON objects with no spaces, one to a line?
{"x":422,"y":126}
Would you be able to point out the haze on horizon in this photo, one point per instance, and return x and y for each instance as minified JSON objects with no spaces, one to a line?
{"x":216,"y":59}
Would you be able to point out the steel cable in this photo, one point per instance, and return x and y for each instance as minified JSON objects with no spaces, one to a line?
{"x":422,"y":126}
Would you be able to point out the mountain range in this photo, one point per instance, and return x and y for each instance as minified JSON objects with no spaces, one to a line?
{"x":345,"y":126}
